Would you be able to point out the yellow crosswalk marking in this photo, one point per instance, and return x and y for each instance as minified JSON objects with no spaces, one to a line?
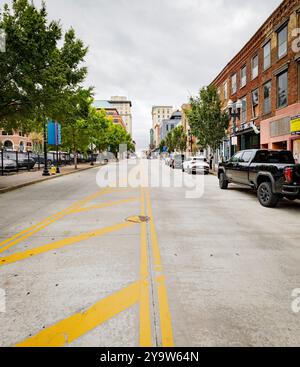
{"x":18,"y":237}
{"x":61,"y":243}
{"x":71,"y":328}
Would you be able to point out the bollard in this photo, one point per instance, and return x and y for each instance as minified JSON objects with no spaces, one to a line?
{"x":39,"y":162}
{"x":53,"y":170}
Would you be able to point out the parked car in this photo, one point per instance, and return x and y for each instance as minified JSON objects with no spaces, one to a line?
{"x":177,"y":161}
{"x":24,"y":161}
{"x":272,"y":173}
{"x":8,"y":165}
{"x":194,"y":165}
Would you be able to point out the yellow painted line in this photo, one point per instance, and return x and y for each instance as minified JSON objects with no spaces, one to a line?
{"x":71,"y":328}
{"x":164,"y":311}
{"x":104,"y":205}
{"x":46,"y":222}
{"x":145,"y":317}
{"x":61,"y":243}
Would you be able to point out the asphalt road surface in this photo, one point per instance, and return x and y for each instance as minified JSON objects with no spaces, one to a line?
{"x":87,"y":264}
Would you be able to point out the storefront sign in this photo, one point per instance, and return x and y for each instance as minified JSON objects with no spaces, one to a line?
{"x":295,"y":125}
{"x":234,"y":140}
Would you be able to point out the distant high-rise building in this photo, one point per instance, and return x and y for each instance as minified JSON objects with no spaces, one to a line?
{"x":159,"y":113}
{"x":123,"y":106}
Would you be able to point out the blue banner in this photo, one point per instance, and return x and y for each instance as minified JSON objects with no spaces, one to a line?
{"x":54,"y":133}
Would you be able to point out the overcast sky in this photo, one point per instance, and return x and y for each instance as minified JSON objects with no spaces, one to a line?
{"x":158,"y":51}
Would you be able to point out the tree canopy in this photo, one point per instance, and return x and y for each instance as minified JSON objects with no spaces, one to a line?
{"x":36,"y":73}
{"x":206,"y":118}
{"x":176,"y":140}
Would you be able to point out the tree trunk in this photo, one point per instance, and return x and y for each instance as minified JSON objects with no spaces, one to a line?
{"x":75,"y":159}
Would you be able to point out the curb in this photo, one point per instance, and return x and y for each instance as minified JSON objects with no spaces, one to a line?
{"x":16,"y":187}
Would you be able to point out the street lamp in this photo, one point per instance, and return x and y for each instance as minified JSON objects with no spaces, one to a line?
{"x":234,"y":110}
{"x":45,"y":171}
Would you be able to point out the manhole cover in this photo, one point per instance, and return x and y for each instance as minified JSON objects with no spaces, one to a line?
{"x":138,"y":219}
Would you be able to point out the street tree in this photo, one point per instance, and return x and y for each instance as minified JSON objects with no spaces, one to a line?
{"x":117,"y":136}
{"x":206,"y":118}
{"x":75,"y":122}
{"x":170,"y":143}
{"x":179,"y":138}
{"x":36,"y":73}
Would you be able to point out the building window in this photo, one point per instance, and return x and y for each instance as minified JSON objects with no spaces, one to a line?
{"x":282,"y":39}
{"x":255,"y":103}
{"x":233,"y":84}
{"x":244,"y":110}
{"x":225,"y":91}
{"x":267,"y":97}
{"x":267,"y":55}
{"x":282,"y":90}
{"x":243,"y":76}
{"x":255,"y":67}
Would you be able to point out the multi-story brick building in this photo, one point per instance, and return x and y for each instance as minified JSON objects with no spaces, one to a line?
{"x":264,"y":78}
{"x":15,"y":140}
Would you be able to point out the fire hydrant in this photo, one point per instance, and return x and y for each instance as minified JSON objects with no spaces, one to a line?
{"x":53,"y":170}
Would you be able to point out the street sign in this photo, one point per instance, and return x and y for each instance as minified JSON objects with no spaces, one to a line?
{"x":54,"y":133}
{"x":295,"y":125}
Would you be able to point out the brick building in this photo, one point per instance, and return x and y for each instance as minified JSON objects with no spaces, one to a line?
{"x":15,"y":140}
{"x":264,"y":80}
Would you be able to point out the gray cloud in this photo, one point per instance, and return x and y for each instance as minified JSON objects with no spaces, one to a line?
{"x":158,"y":51}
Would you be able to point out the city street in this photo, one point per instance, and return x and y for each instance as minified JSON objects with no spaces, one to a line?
{"x":83,"y":265}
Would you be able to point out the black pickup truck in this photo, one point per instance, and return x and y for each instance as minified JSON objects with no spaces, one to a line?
{"x":272,"y":173}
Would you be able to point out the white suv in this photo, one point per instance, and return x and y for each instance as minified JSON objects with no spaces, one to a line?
{"x":196,"y":165}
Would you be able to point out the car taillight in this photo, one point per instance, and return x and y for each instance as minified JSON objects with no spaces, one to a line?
{"x":288,"y":174}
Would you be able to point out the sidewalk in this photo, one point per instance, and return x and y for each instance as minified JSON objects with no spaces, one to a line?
{"x":21,"y":179}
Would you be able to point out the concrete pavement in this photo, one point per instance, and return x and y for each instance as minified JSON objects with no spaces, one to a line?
{"x":24,"y":178}
{"x":84,"y":265}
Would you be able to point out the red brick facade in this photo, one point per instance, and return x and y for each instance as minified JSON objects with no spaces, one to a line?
{"x":12,"y":140}
{"x":286,"y":18}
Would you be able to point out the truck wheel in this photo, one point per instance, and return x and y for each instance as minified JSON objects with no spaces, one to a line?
{"x":265,"y":195}
{"x":223,"y":182}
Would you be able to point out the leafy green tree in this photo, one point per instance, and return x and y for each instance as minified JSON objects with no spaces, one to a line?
{"x":170,"y":143}
{"x":179,"y":139}
{"x":36,"y":74}
{"x":206,"y":118}
{"x":75,"y":122}
{"x":117,"y":135}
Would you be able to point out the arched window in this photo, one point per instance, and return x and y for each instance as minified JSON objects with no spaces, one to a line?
{"x":8,"y":145}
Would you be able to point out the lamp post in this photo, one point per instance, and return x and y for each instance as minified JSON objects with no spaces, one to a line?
{"x":45,"y":171}
{"x":234,"y":110}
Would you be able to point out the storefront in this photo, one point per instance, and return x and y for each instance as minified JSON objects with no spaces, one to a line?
{"x":283,"y":131}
